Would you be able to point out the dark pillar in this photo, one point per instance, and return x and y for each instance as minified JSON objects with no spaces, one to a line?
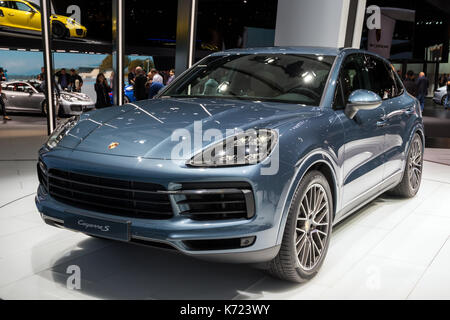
{"x":48,"y":64}
{"x":436,"y":76}
{"x":118,"y":50}
{"x":186,"y":23}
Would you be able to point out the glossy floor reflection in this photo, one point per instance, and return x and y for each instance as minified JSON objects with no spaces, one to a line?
{"x":391,"y":249}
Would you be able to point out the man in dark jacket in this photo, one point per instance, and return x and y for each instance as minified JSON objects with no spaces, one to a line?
{"x":76,"y":82}
{"x":139,"y":84}
{"x":409,"y":83}
{"x":63,"y":79}
{"x":422,"y":89}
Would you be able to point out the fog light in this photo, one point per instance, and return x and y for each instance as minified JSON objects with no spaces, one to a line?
{"x":247,"y":241}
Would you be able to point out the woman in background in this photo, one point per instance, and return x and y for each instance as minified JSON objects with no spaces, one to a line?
{"x":102,"y":90}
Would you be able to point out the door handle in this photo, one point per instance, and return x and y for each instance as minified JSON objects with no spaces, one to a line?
{"x":382,"y":122}
{"x":410,"y":110}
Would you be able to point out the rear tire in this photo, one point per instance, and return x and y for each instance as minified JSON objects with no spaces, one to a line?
{"x":412,"y":175}
{"x":307,"y":233}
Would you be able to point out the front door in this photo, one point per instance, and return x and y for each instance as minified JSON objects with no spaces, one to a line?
{"x":364,"y":136}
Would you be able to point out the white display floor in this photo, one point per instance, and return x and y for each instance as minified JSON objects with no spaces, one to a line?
{"x":391,"y":249}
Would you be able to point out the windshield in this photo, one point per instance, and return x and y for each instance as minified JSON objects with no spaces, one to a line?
{"x":289,"y":78}
{"x":36,"y":85}
{"x":35,"y":6}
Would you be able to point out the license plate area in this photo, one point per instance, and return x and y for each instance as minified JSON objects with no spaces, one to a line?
{"x":105,"y":228}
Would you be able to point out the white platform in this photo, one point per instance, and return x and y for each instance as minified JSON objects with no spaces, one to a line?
{"x":391,"y":249}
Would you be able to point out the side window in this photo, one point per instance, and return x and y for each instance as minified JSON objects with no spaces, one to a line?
{"x":3,"y":4}
{"x":381,"y":78}
{"x":397,"y":80}
{"x":352,"y":76}
{"x":22,"y":7}
{"x":12,"y":4}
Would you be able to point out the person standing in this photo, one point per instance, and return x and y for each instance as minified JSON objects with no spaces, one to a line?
{"x":409,"y":83}
{"x":40,"y":76}
{"x":171,"y":76}
{"x":63,"y":79}
{"x":131,"y":76}
{"x":156,"y":77}
{"x":422,"y":89}
{"x":154,"y":88}
{"x":139,"y":84}
{"x":76,"y":82}
{"x":2,"y":103}
{"x":447,"y":98}
{"x":102,"y":90}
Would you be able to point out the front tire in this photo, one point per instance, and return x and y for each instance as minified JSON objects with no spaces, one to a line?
{"x":59,"y":31}
{"x":307,"y":233}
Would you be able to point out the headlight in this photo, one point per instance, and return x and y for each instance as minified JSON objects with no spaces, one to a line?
{"x":249,"y":147}
{"x":61,"y":131}
{"x":68,"y":97}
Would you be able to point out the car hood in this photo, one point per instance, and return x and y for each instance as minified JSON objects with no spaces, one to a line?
{"x":153,"y":128}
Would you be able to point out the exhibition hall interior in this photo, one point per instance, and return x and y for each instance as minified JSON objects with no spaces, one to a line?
{"x":224,"y":149}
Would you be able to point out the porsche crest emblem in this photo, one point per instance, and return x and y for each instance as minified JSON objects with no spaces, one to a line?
{"x":113,"y":145}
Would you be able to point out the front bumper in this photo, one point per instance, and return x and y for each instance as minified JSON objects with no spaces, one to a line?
{"x":178,"y":231}
{"x":77,"y":31}
{"x":75,"y":108}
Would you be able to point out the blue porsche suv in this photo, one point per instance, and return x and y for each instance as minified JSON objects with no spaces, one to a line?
{"x":249,"y":156}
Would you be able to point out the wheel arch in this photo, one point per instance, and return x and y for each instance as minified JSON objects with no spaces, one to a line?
{"x":322,"y":162}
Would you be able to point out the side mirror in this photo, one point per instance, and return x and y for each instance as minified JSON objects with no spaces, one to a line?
{"x":30,"y":91}
{"x":361,"y":100}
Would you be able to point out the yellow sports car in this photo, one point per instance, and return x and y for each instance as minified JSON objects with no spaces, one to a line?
{"x":26,"y":16}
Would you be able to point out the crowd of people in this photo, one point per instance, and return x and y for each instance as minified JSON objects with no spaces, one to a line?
{"x":145,"y":85}
{"x":66,"y":82}
{"x":418,"y":86}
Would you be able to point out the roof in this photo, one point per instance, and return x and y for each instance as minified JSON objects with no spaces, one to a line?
{"x":329,"y":51}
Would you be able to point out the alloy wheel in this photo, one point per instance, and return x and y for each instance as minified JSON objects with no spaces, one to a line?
{"x":415,"y":164}
{"x":312,"y":226}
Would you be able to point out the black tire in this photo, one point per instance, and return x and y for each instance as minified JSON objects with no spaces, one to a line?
{"x":44,"y":108}
{"x":412,"y":175}
{"x":290,"y":264}
{"x":59,"y":31}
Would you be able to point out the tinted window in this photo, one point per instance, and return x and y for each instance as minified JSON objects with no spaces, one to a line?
{"x":3,"y":4}
{"x":381,"y":78}
{"x":22,"y":6}
{"x":398,"y":81}
{"x":353,"y":76}
{"x":287,"y":78}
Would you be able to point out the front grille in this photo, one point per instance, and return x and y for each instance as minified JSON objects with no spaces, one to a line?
{"x":196,"y":201}
{"x":76,"y":107}
{"x":229,"y":200}
{"x":112,"y":196}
